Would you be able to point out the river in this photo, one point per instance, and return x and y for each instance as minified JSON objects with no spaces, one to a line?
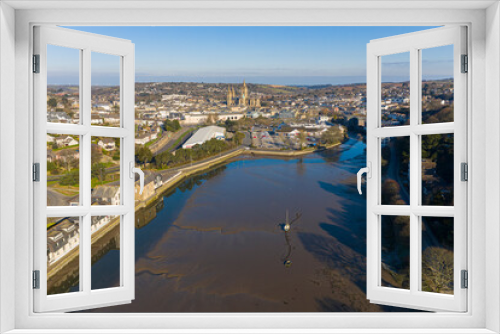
{"x":216,"y":242}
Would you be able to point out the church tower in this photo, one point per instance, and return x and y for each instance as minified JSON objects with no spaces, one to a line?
{"x":230,"y":96}
{"x":244,"y":95}
{"x":245,"y":90}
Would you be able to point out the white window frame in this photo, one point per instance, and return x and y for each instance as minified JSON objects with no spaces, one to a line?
{"x":413,"y":44}
{"x":482,"y":316}
{"x":86,"y":44}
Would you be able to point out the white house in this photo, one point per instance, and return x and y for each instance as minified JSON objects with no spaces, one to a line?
{"x":97,"y":222}
{"x":230,"y":116}
{"x":107,"y":144}
{"x":106,"y":195}
{"x":194,"y":118}
{"x":96,"y":120}
{"x":66,"y":141}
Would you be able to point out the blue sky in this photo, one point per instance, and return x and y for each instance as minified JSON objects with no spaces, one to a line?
{"x":270,"y":55}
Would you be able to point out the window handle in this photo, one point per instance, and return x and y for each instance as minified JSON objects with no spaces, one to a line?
{"x":368,"y":171}
{"x":133,"y":171}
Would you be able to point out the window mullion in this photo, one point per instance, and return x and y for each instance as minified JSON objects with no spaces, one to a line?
{"x":85,"y":154}
{"x":433,"y":129}
{"x":414,"y":168}
{"x":85,"y":181}
{"x":102,"y":131}
{"x":105,"y":210}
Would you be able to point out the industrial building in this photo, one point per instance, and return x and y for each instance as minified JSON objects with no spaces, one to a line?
{"x":205,"y":134}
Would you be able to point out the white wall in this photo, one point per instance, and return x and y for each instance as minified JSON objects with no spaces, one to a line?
{"x":7,"y":171}
{"x":258,"y":17}
{"x":492,"y":164}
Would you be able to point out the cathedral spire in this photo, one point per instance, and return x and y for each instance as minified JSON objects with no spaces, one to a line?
{"x":245,"y":92}
{"x":229,"y":96}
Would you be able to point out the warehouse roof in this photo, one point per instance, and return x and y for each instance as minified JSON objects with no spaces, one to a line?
{"x":203,"y":135}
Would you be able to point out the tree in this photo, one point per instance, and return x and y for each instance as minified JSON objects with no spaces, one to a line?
{"x":353,"y":124}
{"x":144,"y":155}
{"x":331,"y":136}
{"x":71,"y":162}
{"x":95,"y":154}
{"x":98,"y":171}
{"x":51,"y":166}
{"x":164,"y":159}
{"x":176,"y":125}
{"x":302,"y":138}
{"x":238,"y":138}
{"x":230,"y":125}
{"x":71,"y":178}
{"x":386,"y":158}
{"x":172,"y":126}
{"x":437,"y":270}
{"x":52,"y":103}
{"x":439,"y":148}
{"x":390,"y":192}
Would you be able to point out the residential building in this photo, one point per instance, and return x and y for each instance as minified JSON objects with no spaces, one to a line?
{"x":106,"y":195}
{"x":107,"y":144}
{"x":62,"y":141}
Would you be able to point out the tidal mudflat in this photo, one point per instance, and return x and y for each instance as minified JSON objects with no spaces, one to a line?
{"x":217,"y":242}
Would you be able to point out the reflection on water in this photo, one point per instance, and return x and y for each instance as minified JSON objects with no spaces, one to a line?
{"x":213,"y":244}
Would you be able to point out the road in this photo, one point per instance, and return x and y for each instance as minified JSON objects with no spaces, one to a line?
{"x":169,"y":146}
{"x":57,"y":199}
{"x":247,"y":141}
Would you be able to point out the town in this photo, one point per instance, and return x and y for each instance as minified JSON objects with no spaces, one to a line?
{"x":184,"y":127}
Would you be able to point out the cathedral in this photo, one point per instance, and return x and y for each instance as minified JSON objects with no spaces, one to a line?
{"x":244,"y":100}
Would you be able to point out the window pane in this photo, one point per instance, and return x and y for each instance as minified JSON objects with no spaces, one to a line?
{"x":63,"y":85}
{"x":396,"y":252}
{"x":437,"y":169}
{"x":63,"y":170}
{"x":105,"y":251}
{"x":105,"y":171}
{"x":395,"y":99}
{"x":437,"y":84}
{"x":105,"y":93}
{"x":63,"y":254}
{"x":395,"y":170}
{"x":437,"y":254}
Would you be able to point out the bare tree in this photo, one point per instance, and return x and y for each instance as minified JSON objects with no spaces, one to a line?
{"x":302,"y":138}
{"x":437,"y":270}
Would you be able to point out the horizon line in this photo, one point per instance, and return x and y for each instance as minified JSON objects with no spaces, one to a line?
{"x":251,"y":83}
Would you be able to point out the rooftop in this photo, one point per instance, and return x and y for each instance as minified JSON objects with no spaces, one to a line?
{"x":204,"y":134}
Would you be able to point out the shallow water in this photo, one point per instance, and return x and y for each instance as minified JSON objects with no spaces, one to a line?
{"x":216,"y":243}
